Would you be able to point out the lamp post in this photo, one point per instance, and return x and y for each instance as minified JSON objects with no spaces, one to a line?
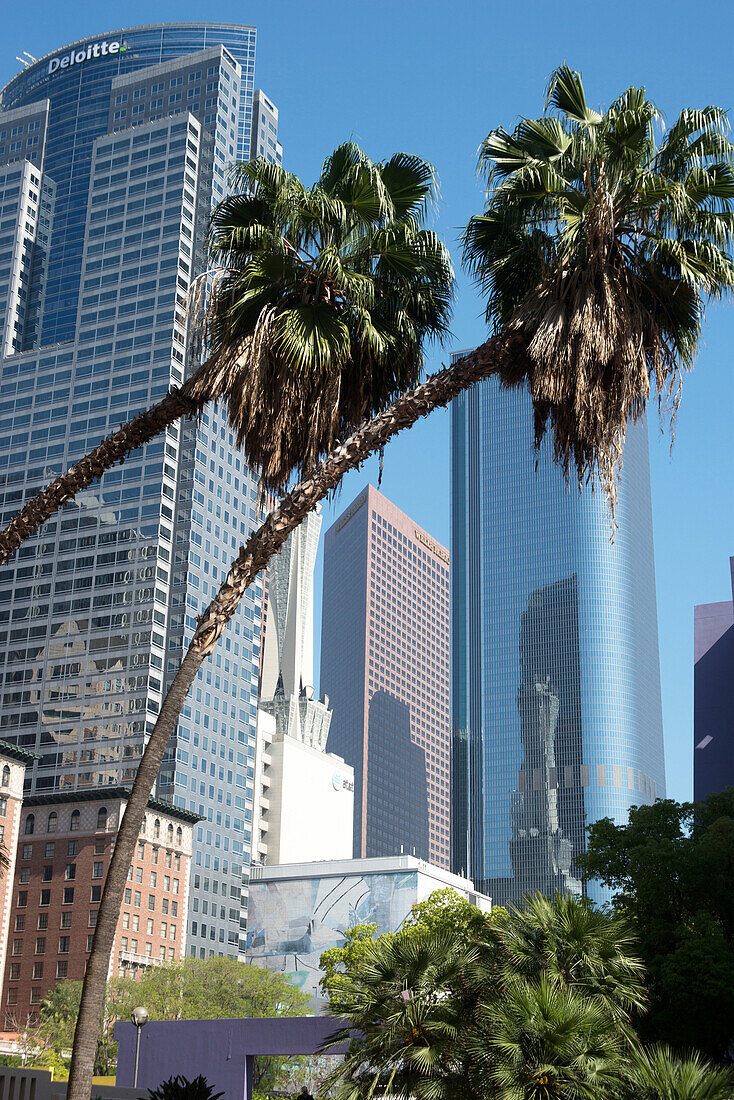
{"x":139,"y":1017}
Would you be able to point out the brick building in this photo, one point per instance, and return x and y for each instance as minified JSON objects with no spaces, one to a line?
{"x":63,"y":853}
{"x":13,"y":764}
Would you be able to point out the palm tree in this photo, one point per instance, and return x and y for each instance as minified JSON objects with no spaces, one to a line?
{"x":568,"y":941}
{"x":320,"y":302}
{"x":601,"y":246}
{"x":594,"y":239}
{"x":658,"y":1073}
{"x":540,"y":1040}
{"x":405,"y":1019}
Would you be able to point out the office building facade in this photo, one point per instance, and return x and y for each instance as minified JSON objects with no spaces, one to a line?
{"x":63,"y":855}
{"x":556,"y":713}
{"x":713,"y":696}
{"x":112,"y":152}
{"x":385,"y":668}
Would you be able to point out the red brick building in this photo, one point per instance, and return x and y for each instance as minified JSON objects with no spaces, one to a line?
{"x":13,"y":764}
{"x":64,"y":849}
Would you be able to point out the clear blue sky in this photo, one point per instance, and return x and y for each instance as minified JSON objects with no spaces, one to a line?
{"x":434,"y":78}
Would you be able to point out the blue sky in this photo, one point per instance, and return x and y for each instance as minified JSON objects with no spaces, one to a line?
{"x":433,"y":78}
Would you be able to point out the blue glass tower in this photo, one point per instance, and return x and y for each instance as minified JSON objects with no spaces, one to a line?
{"x":555,"y":682}
{"x":113,"y":150}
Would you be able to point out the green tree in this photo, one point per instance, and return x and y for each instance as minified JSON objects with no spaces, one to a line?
{"x":659,"y":1073}
{"x":209,"y":989}
{"x":534,"y":1004}
{"x":671,"y":869}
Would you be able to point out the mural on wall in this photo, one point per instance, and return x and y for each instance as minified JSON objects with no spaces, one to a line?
{"x":291,"y":922}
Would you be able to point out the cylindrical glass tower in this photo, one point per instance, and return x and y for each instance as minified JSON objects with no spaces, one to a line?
{"x":556,"y":708}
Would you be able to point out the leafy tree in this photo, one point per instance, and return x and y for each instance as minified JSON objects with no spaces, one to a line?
{"x":658,"y":1073}
{"x":209,"y":989}
{"x":534,"y":1004}
{"x":671,"y":869}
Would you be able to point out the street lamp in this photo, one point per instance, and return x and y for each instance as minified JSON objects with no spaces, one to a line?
{"x":139,"y":1017}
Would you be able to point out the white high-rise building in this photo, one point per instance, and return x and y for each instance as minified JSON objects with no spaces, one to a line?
{"x":304,"y":801}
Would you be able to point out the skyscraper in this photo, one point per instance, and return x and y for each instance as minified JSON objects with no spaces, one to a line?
{"x":384,"y":665}
{"x":112,"y":151}
{"x":713,"y":696}
{"x":556,"y":714}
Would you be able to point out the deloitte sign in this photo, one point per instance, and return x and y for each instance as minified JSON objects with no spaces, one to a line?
{"x":77,"y":57}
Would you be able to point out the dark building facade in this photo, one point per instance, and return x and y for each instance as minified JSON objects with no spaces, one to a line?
{"x":713,"y":696}
{"x":556,"y":712}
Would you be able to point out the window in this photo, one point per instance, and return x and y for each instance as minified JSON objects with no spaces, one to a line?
{"x":138,"y":874}
{"x":156,"y":829}
{"x":153,"y":878}
{"x":45,"y":897}
{"x":50,"y":850}
{"x":27,"y":851}
{"x":126,"y":920}
{"x":19,"y":922}
{"x":164,"y":905}
{"x":18,"y":947}
{"x":35,"y":995}
{"x":93,"y":918}
{"x":40,"y":945}
{"x":25,"y":874}
{"x":170,"y":834}
{"x":141,"y":851}
{"x":136,"y":899}
{"x":179,"y":836}
{"x":68,"y":895}
{"x":42,"y":922}
{"x":14,"y":972}
{"x":70,"y":872}
{"x":136,"y":922}
{"x":74,"y":822}
{"x":123,"y":943}
{"x":52,"y":824}
{"x":47,"y":874}
{"x":151,"y":901}
{"x":164,"y":931}
{"x":150,"y":926}
{"x":134,"y":946}
{"x":97,"y":869}
{"x":30,"y":824}
{"x":66,"y":920}
{"x":177,"y":861}
{"x":167,"y":883}
{"x":128,"y":896}
{"x":90,"y":941}
{"x":174,"y":908}
{"x":155,"y":855}
{"x":3,"y":806}
{"x":62,"y":968}
{"x":64,"y":942}
{"x":101,"y":818}
{"x":37,"y":970}
{"x":99,"y":846}
{"x":168,"y":859}
{"x":6,"y":775}
{"x":72,"y":848}
{"x":96,"y":894}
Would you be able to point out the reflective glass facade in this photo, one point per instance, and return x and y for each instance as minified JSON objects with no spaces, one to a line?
{"x":713,"y":695}
{"x":97,"y":610}
{"x":556,"y":713}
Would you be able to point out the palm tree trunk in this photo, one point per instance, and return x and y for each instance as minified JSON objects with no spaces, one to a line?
{"x":110,"y":451}
{"x":262,"y":544}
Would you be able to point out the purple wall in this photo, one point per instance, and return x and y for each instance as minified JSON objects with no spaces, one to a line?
{"x":713,"y":697}
{"x":222,"y":1050}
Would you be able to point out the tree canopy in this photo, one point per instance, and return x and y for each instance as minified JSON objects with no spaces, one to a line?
{"x":671,"y":869}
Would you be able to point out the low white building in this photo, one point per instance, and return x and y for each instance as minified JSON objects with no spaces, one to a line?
{"x":298,"y":910}
{"x":304,"y":800}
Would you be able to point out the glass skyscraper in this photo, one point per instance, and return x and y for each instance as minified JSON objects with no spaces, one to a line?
{"x":112,"y":151}
{"x":556,"y":713}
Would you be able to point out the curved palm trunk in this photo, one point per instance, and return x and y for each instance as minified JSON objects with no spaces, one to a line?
{"x":253,"y":557}
{"x":108,"y":453}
